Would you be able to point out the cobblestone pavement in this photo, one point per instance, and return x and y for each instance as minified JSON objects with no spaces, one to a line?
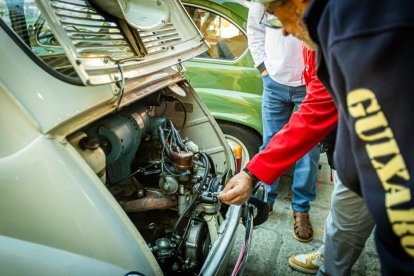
{"x":273,"y":241}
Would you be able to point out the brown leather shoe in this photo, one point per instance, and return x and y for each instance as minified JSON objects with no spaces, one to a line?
{"x":302,"y":229}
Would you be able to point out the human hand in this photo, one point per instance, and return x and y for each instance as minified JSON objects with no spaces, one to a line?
{"x":238,"y":190}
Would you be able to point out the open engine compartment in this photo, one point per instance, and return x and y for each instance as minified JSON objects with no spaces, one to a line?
{"x":162,"y":178}
{"x":116,"y":157}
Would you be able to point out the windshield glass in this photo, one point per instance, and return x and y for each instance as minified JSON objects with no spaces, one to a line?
{"x":25,"y":20}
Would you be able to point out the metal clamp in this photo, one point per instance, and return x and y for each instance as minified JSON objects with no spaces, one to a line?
{"x":121,"y":84}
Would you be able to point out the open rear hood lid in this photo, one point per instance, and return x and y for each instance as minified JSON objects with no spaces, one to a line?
{"x":141,"y":14}
{"x":106,"y":39}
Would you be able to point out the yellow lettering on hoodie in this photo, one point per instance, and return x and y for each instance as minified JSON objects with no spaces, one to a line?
{"x":372,"y":128}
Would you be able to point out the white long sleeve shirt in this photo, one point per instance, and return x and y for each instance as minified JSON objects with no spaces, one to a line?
{"x":282,"y":55}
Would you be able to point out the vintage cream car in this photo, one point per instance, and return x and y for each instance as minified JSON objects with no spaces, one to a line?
{"x":109,"y":162}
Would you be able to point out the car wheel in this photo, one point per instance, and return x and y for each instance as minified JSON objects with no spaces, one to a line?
{"x":249,"y":140}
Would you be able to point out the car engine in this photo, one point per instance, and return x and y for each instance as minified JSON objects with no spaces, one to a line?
{"x":165,"y":183}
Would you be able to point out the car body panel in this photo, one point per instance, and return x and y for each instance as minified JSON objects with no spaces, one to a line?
{"x":41,"y":104}
{"x":233,"y":106}
{"x":65,"y":216}
{"x":25,"y":258}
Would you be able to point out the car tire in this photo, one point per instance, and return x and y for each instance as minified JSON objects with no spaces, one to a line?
{"x":247,"y":138}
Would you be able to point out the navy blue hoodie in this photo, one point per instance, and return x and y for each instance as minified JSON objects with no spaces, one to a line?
{"x":366,"y":61}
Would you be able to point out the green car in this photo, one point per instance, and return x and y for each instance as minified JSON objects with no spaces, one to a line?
{"x":225,"y":76}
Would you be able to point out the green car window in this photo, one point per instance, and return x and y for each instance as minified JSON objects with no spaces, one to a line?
{"x":23,"y":18}
{"x":226,"y":40}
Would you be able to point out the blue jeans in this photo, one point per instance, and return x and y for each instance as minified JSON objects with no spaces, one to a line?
{"x":277,"y":105}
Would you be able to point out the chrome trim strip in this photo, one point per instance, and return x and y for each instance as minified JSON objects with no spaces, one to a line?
{"x":214,"y":264}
